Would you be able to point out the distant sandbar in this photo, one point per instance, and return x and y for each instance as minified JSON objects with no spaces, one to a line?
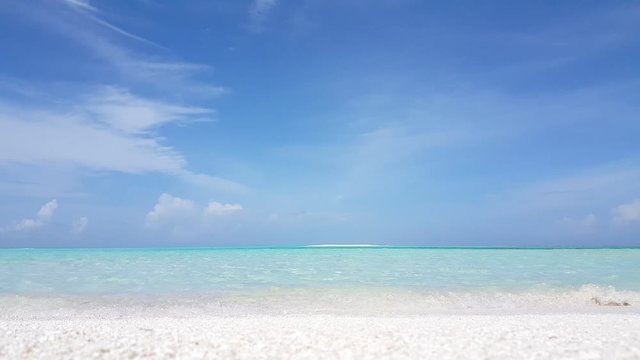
{"x":344,"y":245}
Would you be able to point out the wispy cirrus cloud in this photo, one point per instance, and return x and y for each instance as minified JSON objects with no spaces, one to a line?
{"x":81,"y":4}
{"x":91,"y":12}
{"x":108,"y":130}
{"x":107,"y":127}
{"x":119,"y":109}
{"x":79,"y":21}
{"x":258,"y":13}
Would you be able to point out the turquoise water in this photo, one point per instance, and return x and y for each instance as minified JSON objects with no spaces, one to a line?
{"x":252,"y":275}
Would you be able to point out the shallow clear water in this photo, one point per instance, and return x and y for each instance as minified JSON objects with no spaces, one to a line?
{"x":428,"y":277}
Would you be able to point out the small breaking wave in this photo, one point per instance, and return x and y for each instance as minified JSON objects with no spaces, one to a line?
{"x":587,"y":298}
{"x":341,"y":301}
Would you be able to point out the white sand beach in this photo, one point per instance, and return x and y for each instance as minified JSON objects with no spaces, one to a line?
{"x":553,"y":336}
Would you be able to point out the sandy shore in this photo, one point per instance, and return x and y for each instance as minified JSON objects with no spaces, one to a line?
{"x":574,"y":336}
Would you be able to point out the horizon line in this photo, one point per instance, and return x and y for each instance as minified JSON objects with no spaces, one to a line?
{"x":329,"y":246}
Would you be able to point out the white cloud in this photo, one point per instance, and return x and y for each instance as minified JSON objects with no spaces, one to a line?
{"x":170,"y":209}
{"x":109,"y":130}
{"x":43,"y":217}
{"x":258,"y":12}
{"x":39,"y":139}
{"x":627,"y":213}
{"x":186,"y":216}
{"x":80,"y":225}
{"x":46,"y":211}
{"x":217,"y":209}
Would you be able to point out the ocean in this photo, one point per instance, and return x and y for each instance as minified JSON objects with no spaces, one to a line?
{"x":359,"y":280}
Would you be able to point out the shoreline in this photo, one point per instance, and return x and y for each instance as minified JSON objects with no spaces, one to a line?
{"x":363,"y":301}
{"x":326,"y":336}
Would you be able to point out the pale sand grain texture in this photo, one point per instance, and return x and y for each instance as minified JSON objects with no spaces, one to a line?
{"x":565,"y":336}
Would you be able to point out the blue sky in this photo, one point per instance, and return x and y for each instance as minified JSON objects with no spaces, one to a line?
{"x":273,"y":122}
